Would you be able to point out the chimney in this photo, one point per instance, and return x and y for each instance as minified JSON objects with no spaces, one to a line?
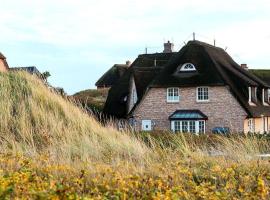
{"x":168,"y":47}
{"x":244,"y":66}
{"x":128,"y":63}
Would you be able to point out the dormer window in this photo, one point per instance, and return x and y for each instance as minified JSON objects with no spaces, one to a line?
{"x":252,"y":95}
{"x":187,"y":67}
{"x":265,"y":97}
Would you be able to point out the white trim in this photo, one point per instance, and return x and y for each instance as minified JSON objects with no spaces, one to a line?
{"x":256,"y":99}
{"x":251,"y":103}
{"x":148,"y":123}
{"x":177,"y":97}
{"x":263,"y":99}
{"x":197,"y":127}
{"x":268,"y":95}
{"x":193,"y":68}
{"x":197,"y":94}
{"x":249,"y":94}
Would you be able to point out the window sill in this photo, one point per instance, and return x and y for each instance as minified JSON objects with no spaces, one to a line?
{"x":251,"y":103}
{"x":173,"y":101}
{"x":203,"y":101}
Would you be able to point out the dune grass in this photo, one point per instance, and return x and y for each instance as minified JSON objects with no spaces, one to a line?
{"x":52,"y":149}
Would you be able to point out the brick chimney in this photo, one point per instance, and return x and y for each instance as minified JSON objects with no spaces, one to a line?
{"x":244,"y":66}
{"x":168,"y":47}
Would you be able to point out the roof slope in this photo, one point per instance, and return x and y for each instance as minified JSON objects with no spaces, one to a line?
{"x":213,"y":67}
{"x":143,"y":69}
{"x":112,"y":75}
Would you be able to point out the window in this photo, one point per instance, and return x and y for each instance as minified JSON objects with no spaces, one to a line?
{"x":201,"y":126}
{"x":184,"y":126}
{"x":173,"y":95}
{"x":252,"y":95}
{"x":251,"y":125}
{"x":192,"y":128}
{"x":146,"y":125}
{"x":177,"y":126}
{"x":134,"y":96}
{"x":188,"y":126}
{"x":187,"y":67}
{"x":202,"y":94}
{"x":265,"y":97}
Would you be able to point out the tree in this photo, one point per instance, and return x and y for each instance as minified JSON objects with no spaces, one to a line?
{"x":46,"y":75}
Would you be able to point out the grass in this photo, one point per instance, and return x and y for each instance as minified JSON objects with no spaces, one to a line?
{"x":92,"y":99}
{"x":52,"y":149}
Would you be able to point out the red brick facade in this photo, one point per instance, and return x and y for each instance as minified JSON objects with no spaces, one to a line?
{"x":222,"y":109}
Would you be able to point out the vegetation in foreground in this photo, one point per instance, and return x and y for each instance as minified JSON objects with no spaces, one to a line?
{"x":51,"y":149}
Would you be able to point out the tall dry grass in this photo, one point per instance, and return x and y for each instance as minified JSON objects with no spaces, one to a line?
{"x":35,"y":121}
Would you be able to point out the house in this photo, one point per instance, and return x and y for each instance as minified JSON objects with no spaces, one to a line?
{"x":112,"y":75}
{"x":198,"y":89}
{"x":132,"y":86}
{"x":3,"y":63}
{"x":30,"y":69}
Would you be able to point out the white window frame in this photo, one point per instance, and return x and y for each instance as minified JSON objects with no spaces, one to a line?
{"x":174,"y":98}
{"x":184,"y":69}
{"x":134,"y":96}
{"x":265,"y":101}
{"x":249,"y":94}
{"x":197,"y":94}
{"x":268,"y":95}
{"x":149,"y":123}
{"x":180,"y":124}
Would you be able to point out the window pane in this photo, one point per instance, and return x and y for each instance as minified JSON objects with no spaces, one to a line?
{"x":201,"y":126}
{"x":192,"y":127}
{"x":184,"y":126}
{"x":177,"y":126}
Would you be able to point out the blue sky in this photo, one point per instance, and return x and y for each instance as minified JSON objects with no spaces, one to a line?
{"x":77,"y":41}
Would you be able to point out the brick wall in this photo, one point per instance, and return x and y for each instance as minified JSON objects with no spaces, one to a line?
{"x":222,"y":108}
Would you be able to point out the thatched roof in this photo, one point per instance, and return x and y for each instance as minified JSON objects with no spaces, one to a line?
{"x":112,"y":75}
{"x":143,"y":69}
{"x":214,"y":67}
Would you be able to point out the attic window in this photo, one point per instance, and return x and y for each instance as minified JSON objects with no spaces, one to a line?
{"x":187,"y":67}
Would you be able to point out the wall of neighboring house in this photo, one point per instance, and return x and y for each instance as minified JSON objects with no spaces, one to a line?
{"x":257,"y":125}
{"x":223,"y":110}
{"x":3,"y":67}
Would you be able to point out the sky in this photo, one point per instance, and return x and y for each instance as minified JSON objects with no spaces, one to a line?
{"x":78,"y":40}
